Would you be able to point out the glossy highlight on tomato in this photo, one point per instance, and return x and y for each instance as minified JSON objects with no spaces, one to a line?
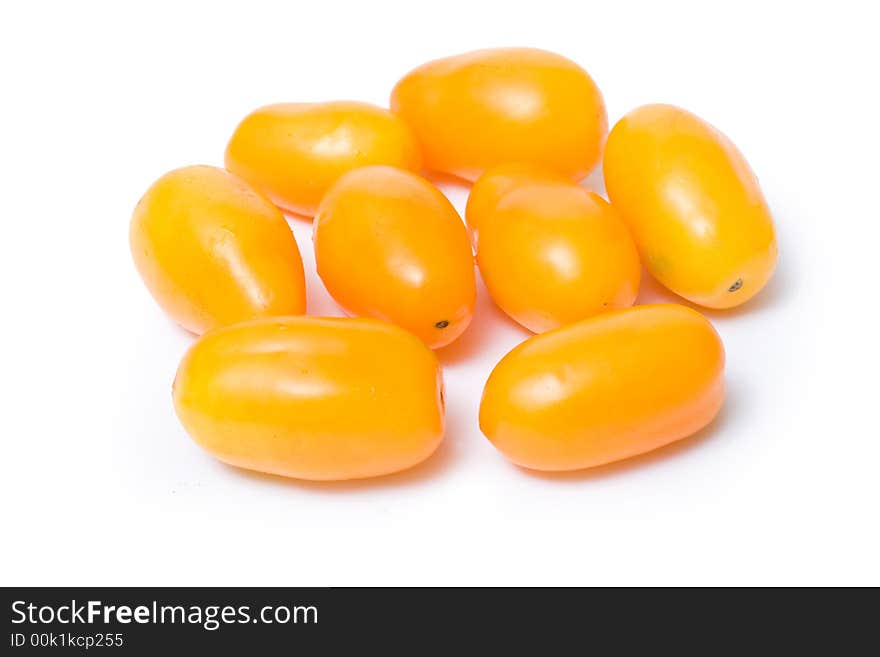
{"x":390,"y":245}
{"x":213,"y":251}
{"x":605,"y":388}
{"x":294,"y":152}
{"x":552,"y":253}
{"x":312,"y":398}
{"x":485,"y":108}
{"x":693,"y":204}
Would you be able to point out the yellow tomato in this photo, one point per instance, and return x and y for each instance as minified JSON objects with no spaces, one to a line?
{"x":312,"y":398}
{"x":489,"y":107}
{"x":294,"y":152}
{"x":605,"y":388}
{"x":693,"y":204}
{"x":389,"y":245}
{"x":553,"y":253}
{"x":213,"y":251}
{"x":495,"y":183}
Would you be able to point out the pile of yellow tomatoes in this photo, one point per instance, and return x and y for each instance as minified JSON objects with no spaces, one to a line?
{"x":267,"y":388}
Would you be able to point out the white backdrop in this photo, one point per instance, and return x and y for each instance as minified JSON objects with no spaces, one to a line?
{"x":99,"y":483}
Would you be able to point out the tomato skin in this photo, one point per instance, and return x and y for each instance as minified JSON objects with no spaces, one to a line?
{"x":294,"y":152}
{"x":604,"y":389}
{"x":693,"y":204}
{"x":495,"y":183}
{"x":554,"y":253}
{"x":213,"y":251}
{"x":312,"y":398}
{"x":389,"y":245}
{"x":484,"y":108}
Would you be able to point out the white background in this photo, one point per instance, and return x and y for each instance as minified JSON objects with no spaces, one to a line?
{"x":100,"y":485}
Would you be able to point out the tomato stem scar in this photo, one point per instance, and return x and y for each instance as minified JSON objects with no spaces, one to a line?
{"x":442,"y":324}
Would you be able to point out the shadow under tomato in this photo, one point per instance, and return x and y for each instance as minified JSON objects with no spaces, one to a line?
{"x":651,"y":291}
{"x":595,"y":182}
{"x":488,"y":320}
{"x":180,"y":330}
{"x":454,"y":183}
{"x":648,"y":459}
{"x":297,"y":217}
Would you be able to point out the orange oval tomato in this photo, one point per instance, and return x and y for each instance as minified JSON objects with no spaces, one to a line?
{"x":554,"y":253}
{"x":693,"y":204}
{"x":312,"y":398}
{"x":489,"y":107}
{"x":294,"y":152}
{"x":490,"y":187}
{"x":605,"y":388}
{"x":213,"y":251}
{"x":388,"y":244}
